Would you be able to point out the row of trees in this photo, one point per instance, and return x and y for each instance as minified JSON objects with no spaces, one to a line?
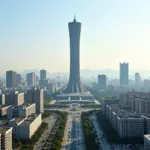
{"x":88,"y":130}
{"x":111,"y":133}
{"x":57,"y":141}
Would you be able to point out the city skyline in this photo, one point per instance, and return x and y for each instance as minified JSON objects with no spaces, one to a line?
{"x":113,"y":32}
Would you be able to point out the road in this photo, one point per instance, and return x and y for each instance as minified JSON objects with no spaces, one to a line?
{"x":104,"y":144}
{"x":73,"y":138}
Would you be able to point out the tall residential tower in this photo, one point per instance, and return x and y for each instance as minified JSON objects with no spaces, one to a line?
{"x":124,"y":74}
{"x":10,"y":79}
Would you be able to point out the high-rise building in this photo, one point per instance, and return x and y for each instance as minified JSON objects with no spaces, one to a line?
{"x":36,"y":80}
{"x":102,"y":82}
{"x":36,"y":96}
{"x":14,"y":98}
{"x":74,"y":85}
{"x":42,"y":75}
{"x":5,"y":138}
{"x":31,"y":79}
{"x":20,"y":111}
{"x":124,"y":75}
{"x":18,"y":79}
{"x":137,"y":79}
{"x":10,"y":79}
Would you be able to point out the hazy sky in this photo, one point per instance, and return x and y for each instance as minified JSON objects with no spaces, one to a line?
{"x":34,"y":34}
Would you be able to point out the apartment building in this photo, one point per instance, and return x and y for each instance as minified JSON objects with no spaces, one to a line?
{"x":130,"y":126}
{"x":5,"y":138}
{"x":21,"y":111}
{"x":14,"y":98}
{"x":29,"y":126}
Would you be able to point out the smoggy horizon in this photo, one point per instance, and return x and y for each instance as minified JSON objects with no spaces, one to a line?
{"x":34,"y":34}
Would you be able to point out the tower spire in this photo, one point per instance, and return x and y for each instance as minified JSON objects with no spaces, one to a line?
{"x":74,"y":20}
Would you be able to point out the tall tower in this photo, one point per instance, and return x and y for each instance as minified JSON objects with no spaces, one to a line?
{"x":10,"y":79}
{"x":74,"y":85}
{"x":124,"y":74}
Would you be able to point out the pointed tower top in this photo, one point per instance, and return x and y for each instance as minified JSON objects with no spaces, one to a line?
{"x":74,"y":20}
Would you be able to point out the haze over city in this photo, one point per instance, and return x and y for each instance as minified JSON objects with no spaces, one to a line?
{"x":34,"y":34}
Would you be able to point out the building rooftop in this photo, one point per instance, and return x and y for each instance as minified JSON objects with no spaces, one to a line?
{"x":30,"y":119}
{"x":4,"y":106}
{"x":19,"y":119}
{"x":123,"y":112}
{"x":23,"y":105}
{"x":4,"y":129}
{"x":147,"y":136}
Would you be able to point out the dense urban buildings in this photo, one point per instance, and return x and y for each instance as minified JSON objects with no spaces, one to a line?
{"x":130,"y":115}
{"x":102,"y":82}
{"x":74,"y":84}
{"x":124,"y":74}
{"x":11,"y":79}
{"x":31,"y":79}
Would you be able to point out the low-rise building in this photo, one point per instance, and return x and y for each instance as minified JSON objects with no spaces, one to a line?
{"x":147,"y":142}
{"x":5,"y":138}
{"x":21,"y":111}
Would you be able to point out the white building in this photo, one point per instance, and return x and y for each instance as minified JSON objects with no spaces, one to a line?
{"x":142,"y":106}
{"x":5,"y":138}
{"x":130,"y":126}
{"x":21,"y":111}
{"x":29,"y":126}
{"x":147,"y":142}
